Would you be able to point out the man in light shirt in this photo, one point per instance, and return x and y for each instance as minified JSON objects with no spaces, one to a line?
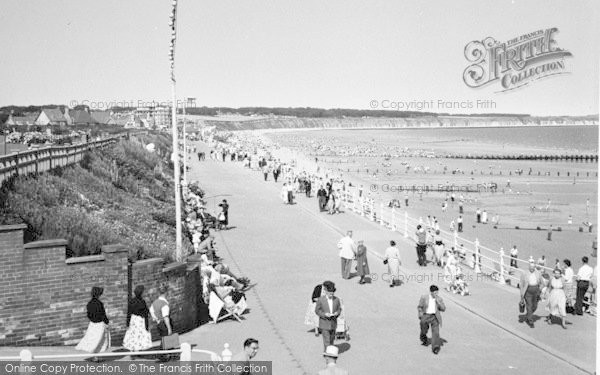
{"x":531,"y":285}
{"x":160,"y":312}
{"x":584,"y":275}
{"x":430,"y":307}
{"x":347,"y":254}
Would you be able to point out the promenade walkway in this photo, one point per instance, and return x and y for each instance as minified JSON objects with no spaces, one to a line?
{"x":287,"y":250}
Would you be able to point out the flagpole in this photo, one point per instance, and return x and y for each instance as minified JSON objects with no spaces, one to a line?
{"x":175,"y":155}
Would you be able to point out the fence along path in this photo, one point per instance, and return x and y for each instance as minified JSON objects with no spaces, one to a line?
{"x":44,"y":159}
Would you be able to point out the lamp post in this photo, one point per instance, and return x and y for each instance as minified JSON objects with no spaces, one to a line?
{"x":175,"y":155}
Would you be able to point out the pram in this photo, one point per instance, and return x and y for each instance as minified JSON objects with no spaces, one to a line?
{"x":343,"y":329}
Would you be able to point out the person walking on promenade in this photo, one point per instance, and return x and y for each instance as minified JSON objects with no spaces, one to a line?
{"x":460,"y":207}
{"x":568,"y":276}
{"x":557,"y":300}
{"x":438,"y":248}
{"x":531,"y":284}
{"x":478,"y":215}
{"x":584,"y":276}
{"x":421,"y":242}
{"x":97,"y":335}
{"x":137,"y":336}
{"x":328,"y":308}
{"x":250,"y":350}
{"x":265,"y":170}
{"x":459,"y":222}
{"x":308,"y":188}
{"x":550,"y":233}
{"x":160,"y":312}
{"x":225,"y":207}
{"x":290,"y":192}
{"x":430,"y":308}
{"x":331,"y":355}
{"x":392,"y":259}
{"x":406,"y":199}
{"x":322,"y":198}
{"x":362,"y":265}
{"x":347,"y":254}
{"x":514,"y":253}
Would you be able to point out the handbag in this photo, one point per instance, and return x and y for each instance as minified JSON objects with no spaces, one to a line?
{"x":170,"y":342}
{"x":522,"y":306}
{"x":385,"y":261}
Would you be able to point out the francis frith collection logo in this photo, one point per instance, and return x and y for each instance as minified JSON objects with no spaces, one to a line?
{"x":514,"y":63}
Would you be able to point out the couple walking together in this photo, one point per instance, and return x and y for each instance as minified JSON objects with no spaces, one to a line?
{"x":350,"y":252}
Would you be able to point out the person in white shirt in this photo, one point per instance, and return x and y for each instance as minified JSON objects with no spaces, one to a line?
{"x":331,"y":355}
{"x":347,"y":254}
{"x":584,"y":275}
{"x":430,"y":307}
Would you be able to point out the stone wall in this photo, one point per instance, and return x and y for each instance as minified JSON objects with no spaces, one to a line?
{"x":43,"y":295}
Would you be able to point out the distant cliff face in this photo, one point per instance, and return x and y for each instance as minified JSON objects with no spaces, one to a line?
{"x":416,"y":122}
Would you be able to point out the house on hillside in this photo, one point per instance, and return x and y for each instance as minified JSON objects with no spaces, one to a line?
{"x":53,"y":116}
{"x":103,"y":117}
{"x":128,"y":121}
{"x":26,"y":119}
{"x":81,"y":117}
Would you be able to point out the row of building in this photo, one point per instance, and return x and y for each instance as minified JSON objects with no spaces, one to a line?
{"x":146,"y":117}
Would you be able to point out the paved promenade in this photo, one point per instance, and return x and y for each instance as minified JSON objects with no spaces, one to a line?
{"x":287,"y":250}
{"x":290,"y":249}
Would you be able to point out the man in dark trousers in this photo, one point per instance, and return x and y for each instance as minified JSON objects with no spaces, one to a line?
{"x":225,"y":207}
{"x":531,"y":285}
{"x":583,"y":277}
{"x":328,"y":308}
{"x":160,"y":312}
{"x":322,"y":196}
{"x":308,"y":187}
{"x":430,"y":307}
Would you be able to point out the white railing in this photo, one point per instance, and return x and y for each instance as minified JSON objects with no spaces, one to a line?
{"x":482,"y":259}
{"x":185,"y":350}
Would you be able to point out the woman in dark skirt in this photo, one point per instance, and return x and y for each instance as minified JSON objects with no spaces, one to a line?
{"x":97,"y":336}
{"x":362,"y":265}
{"x":137,"y":336}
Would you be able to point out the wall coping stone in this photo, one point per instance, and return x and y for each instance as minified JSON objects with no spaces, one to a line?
{"x":13,"y":227}
{"x":146,"y":262}
{"x":173,"y":266}
{"x":191,"y":267}
{"x":116,"y":248}
{"x":85,"y":259}
{"x":45,"y":244}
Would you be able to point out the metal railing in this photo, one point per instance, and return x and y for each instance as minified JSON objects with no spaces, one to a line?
{"x":185,"y":351}
{"x":482,"y":259}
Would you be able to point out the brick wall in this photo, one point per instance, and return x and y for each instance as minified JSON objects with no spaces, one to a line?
{"x":43,"y":295}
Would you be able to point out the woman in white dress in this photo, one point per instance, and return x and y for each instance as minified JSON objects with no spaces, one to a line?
{"x":450,"y":268}
{"x":557,"y":300}
{"x":392,"y":258}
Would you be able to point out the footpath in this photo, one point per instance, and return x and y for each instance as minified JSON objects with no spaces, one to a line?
{"x":287,"y":250}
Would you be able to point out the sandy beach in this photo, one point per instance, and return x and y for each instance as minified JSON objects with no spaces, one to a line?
{"x":557,"y":189}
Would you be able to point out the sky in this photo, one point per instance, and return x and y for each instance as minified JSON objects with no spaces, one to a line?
{"x":329,"y":54}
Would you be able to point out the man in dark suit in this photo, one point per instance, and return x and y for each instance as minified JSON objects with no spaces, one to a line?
{"x":328,"y":308}
{"x":430,"y":307}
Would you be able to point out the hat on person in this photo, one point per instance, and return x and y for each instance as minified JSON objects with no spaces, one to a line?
{"x":331,"y":351}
